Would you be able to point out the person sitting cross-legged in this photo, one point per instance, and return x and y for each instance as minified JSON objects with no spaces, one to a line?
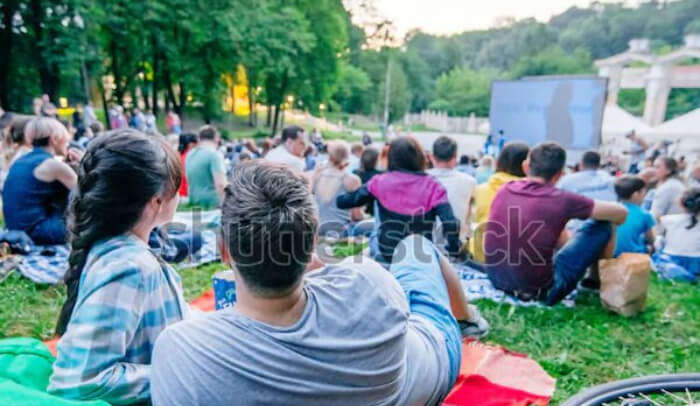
{"x":528,"y":253}
{"x":637,"y":231}
{"x":301,"y":333}
{"x":35,"y":194}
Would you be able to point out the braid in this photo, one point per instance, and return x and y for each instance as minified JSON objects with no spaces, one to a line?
{"x":83,"y":230}
{"x":118,"y":175}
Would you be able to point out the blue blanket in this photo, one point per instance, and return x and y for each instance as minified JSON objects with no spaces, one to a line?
{"x":49,"y":269}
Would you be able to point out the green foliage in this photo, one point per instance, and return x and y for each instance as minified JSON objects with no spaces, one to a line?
{"x":632,"y":100}
{"x":463,"y":91}
{"x":352,"y":93}
{"x":399,"y":93}
{"x":553,"y":61}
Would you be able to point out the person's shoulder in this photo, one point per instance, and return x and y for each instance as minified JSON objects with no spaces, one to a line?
{"x":360,"y":276}
{"x":122,"y":257}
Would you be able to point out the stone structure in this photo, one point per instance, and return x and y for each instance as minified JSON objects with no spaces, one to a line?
{"x":658,"y":78}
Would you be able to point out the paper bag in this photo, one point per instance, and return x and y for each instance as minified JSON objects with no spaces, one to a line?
{"x":623,"y":283}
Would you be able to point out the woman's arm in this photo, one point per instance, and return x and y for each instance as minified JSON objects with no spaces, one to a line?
{"x":358,"y":198}
{"x":450,"y":227}
{"x":102,"y":329}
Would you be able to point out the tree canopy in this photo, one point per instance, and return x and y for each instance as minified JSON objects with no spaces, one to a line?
{"x":177,"y":53}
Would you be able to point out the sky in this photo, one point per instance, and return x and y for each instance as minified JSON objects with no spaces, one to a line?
{"x":452,"y":16}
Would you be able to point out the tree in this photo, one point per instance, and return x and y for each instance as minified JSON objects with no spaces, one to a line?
{"x":352,"y":90}
{"x":463,"y":91}
{"x":399,"y":94}
{"x":553,"y":61}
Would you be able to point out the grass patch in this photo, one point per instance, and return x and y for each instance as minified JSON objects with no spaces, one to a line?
{"x":588,"y":345}
{"x":581,"y":347}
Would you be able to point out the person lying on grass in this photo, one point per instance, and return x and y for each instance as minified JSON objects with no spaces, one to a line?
{"x":528,"y":253}
{"x":302,"y":333}
{"x":120,"y":294}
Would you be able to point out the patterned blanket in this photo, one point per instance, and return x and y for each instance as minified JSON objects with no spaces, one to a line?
{"x":477,"y":286}
{"x":48,"y":264}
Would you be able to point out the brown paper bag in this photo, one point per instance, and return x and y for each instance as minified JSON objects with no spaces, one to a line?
{"x":623,"y":283}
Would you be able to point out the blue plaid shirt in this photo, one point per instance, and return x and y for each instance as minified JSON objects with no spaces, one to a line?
{"x":126,"y":298}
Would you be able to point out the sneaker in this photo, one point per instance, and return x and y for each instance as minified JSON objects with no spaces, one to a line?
{"x":590,"y":283}
{"x":477,"y":327}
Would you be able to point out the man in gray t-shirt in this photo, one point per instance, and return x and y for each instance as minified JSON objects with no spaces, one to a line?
{"x":344,"y":334}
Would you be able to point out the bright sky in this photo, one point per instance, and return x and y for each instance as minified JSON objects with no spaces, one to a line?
{"x":452,"y":16}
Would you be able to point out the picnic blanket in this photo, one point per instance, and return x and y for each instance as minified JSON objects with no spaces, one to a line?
{"x":477,"y":286}
{"x":49,"y":269}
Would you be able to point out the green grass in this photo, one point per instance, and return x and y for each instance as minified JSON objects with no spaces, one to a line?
{"x":588,"y":345}
{"x":581,"y":347}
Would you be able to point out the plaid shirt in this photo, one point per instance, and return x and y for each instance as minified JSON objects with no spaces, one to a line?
{"x":126,"y":298}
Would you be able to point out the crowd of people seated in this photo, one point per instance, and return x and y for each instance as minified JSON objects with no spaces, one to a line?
{"x":383,"y":330}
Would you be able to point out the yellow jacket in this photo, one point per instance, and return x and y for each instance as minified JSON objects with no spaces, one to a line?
{"x":483,"y":196}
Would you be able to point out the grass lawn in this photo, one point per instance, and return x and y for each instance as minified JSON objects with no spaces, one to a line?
{"x":580,"y":347}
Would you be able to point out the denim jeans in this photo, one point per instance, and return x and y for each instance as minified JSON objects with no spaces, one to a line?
{"x":416,"y":266}
{"x":580,"y":252}
{"x":51,"y":231}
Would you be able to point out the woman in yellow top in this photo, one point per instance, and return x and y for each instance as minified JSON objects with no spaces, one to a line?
{"x":509,"y":167}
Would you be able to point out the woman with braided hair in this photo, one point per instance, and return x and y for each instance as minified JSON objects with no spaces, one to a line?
{"x":120,"y":294}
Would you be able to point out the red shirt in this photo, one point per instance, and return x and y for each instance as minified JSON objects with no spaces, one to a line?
{"x":522,"y":232}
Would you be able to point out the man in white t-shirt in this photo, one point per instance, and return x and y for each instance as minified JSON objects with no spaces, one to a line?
{"x":291,"y":150}
{"x":459,"y":185}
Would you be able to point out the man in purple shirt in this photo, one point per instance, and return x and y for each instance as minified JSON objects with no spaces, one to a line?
{"x":529,"y":254}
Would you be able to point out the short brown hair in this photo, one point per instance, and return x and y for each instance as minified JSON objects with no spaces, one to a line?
{"x":269,"y":222}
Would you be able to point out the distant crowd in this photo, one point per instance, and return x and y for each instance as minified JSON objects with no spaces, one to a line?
{"x":383,"y":330}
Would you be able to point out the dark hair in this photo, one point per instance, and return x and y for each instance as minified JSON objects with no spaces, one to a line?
{"x":17,"y":129}
{"x":465,"y":160}
{"x":444,"y":148}
{"x":691,"y":201}
{"x":208,"y":132}
{"x":185,"y":140}
{"x":118,"y":175}
{"x":291,"y":133}
{"x":671,"y":164}
{"x":511,"y":158}
{"x":590,"y":160}
{"x":369,"y":158}
{"x":269,"y":222}
{"x":547,"y":159}
{"x":405,"y":154}
{"x":627,"y":185}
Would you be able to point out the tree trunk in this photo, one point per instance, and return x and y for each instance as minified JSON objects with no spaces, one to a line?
{"x":276,"y":120}
{"x":251,"y":105}
{"x":180,"y":109}
{"x":268,"y":121}
{"x":170,"y":99}
{"x":9,"y":7}
{"x":154,"y":83}
{"x":118,"y":91}
{"x":104,"y":105}
{"x":36,"y":21}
